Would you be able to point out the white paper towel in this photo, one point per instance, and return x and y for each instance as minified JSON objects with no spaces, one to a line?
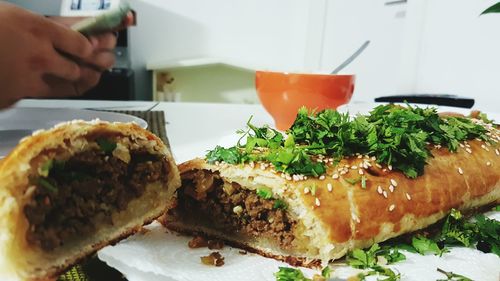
{"x":162,"y":255}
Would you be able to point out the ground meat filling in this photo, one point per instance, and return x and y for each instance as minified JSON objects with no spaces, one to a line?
{"x":87,"y":188}
{"x":234,"y":209}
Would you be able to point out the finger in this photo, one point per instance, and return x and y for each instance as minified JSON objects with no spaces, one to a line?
{"x":63,"y":67}
{"x":101,"y":61}
{"x":104,"y":41}
{"x":58,"y":87}
{"x":67,"y":40}
{"x":89,"y":79}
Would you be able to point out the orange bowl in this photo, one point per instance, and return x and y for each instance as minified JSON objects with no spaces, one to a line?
{"x":282,"y":94}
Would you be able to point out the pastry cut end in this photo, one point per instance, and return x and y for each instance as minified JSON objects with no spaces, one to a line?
{"x":71,"y":190}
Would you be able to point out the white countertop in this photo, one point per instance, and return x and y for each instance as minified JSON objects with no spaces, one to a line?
{"x":192,"y":128}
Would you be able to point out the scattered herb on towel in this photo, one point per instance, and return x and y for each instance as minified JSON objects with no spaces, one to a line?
{"x":450,"y":276}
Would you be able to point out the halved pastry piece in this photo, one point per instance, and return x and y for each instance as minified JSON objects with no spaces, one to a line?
{"x":71,"y":190}
{"x":309,"y":220}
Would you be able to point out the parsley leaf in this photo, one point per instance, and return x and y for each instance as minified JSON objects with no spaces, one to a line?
{"x":450,"y":276}
{"x":482,"y":232}
{"x":230,"y":155}
{"x":280,"y":204}
{"x":290,"y":274}
{"x":425,"y":245}
{"x":265,"y":193}
{"x":47,"y":184}
{"x":106,"y":145}
{"x":326,"y":272}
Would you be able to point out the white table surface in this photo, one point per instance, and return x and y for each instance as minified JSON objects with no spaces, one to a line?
{"x":192,"y":128}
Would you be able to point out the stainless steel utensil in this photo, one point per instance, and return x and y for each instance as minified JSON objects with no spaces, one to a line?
{"x":351,"y":58}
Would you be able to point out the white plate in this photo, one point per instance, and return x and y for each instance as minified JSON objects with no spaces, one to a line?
{"x":16,"y":123}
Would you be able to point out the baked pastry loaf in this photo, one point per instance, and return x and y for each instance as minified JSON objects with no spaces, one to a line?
{"x":71,"y":190}
{"x":357,"y":202}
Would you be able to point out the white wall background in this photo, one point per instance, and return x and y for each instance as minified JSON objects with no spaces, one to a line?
{"x":423,"y":46}
{"x":460,"y":51}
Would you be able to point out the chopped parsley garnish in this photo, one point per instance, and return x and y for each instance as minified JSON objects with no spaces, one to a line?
{"x":47,"y":184}
{"x":362,"y":259}
{"x":290,"y":274}
{"x":481,"y":232}
{"x":45,"y":168}
{"x":326,"y":272}
{"x":280,"y":204}
{"x":265,"y":193}
{"x":425,"y":245}
{"x":395,"y":135}
{"x":450,"y":276}
{"x":106,"y":145}
{"x":369,"y":259}
{"x":295,"y":274}
{"x":353,"y":181}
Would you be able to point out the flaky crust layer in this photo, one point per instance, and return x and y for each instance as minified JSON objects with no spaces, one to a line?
{"x":344,"y":213}
{"x":21,"y":261}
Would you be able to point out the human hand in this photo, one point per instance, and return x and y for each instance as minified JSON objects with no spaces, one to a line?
{"x":36,"y":51}
{"x":101,"y":58}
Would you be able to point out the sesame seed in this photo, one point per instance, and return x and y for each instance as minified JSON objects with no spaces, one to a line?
{"x":484,"y":147}
{"x":306,"y":190}
{"x":468,"y":150}
{"x":384,"y":170}
{"x":390,"y":167}
{"x":329,"y":187}
{"x":360,"y":156}
{"x":343,"y":172}
{"x":317,"y":202}
{"x":392,"y":207}
{"x":488,"y":163}
{"x":322,"y":177}
{"x":384,"y":193}
{"x":217,"y":163}
{"x":305,"y":177}
{"x":378,"y":165}
{"x":460,"y":171}
{"x":461,"y":145}
{"x":391,"y":188}
{"x":252,"y":164}
{"x":355,"y":218}
{"x":379,"y":189}
{"x":288,"y":177}
{"x":393,"y":182}
{"x":497,"y":152}
{"x":374,"y":158}
{"x":361,"y":172}
{"x":335,"y":176}
{"x":408,"y":196}
{"x":354,"y":167}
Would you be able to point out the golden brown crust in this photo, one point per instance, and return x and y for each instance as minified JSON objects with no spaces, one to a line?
{"x":22,"y":261}
{"x":352,"y":216}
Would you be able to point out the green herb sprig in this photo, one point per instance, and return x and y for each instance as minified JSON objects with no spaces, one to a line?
{"x":395,"y":135}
